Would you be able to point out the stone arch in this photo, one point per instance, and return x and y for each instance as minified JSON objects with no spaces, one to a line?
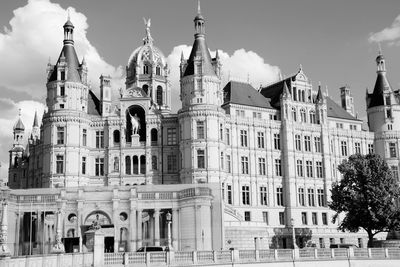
{"x":116,"y":137}
{"x":135,"y":164}
{"x":103,"y":218}
{"x":142,"y":164}
{"x":139,"y":111}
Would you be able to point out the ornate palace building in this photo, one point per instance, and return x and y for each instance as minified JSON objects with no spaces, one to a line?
{"x":235,"y":167}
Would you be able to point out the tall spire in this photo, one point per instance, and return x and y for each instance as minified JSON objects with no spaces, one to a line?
{"x":199,"y":23}
{"x":68,"y":31}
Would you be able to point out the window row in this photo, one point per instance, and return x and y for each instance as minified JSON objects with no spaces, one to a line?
{"x":312,"y":199}
{"x":305,"y":143}
{"x":312,"y":117}
{"x":282,"y":218}
{"x":307,"y":169}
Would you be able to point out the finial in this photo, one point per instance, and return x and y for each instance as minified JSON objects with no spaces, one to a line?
{"x":300,"y":67}
{"x":69,"y":15}
{"x":198,"y":7}
{"x":148,"y":38}
{"x":326,"y":89}
{"x":19,"y":113}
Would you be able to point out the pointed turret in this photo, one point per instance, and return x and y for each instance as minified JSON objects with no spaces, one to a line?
{"x":19,"y":131}
{"x":285,"y":91}
{"x":35,"y":128}
{"x":320,"y":96}
{"x":35,"y":120}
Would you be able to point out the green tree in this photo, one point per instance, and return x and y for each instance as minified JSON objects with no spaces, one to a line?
{"x":368,"y":196}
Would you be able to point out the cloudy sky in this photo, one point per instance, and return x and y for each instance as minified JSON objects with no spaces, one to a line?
{"x":335,"y":41}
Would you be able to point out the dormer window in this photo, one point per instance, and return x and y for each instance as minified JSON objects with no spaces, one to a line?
{"x":145,"y":69}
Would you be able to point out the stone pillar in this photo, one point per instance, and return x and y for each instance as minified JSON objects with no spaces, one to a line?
{"x":17,"y":231}
{"x":4,"y":250}
{"x":39,"y":233}
{"x":175,"y":228}
{"x":156,"y":227}
{"x":132,"y":232}
{"x":116,"y":225}
{"x":79,"y":223}
{"x":98,"y":249}
{"x":58,"y":246}
{"x":139,"y":229}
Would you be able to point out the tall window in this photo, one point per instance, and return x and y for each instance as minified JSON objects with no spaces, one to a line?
{"x":299,"y":167}
{"x":159,"y":95}
{"x":260,"y":140}
{"x":243,"y":138}
{"x":247,"y":216}
{"x":395,"y":172}
{"x":83,"y":165}
{"x":245,"y":165}
{"x":60,"y":135}
{"x":371,"y":148}
{"x":246,"y":195}
{"x":277,"y":141}
{"x":314,"y":218}
{"x":324,"y":218}
{"x":171,"y":136}
{"x":309,"y":168}
{"x":200,"y":129}
{"x":319,"y":169}
{"x":302,"y":201}
{"x":62,"y":90}
{"x":229,"y":193}
{"x":304,"y":218}
{"x":171,"y":163}
{"x":261,"y":166}
{"x":307,"y":143}
{"x":228,"y":136}
{"x":200,"y":159}
{"x":311,"y":197}
{"x":392,"y":150}
{"x":357,"y":148}
{"x":294,"y":114}
{"x":146,"y":69}
{"x":321,"y":197}
{"x":265,"y":217}
{"x":99,"y":139}
{"x":158,"y":70}
{"x":263,"y":195}
{"x":228,"y":163}
{"x":343,"y":146}
{"x":303,"y":115}
{"x":221,"y":160}
{"x":84,"y":137}
{"x":62,"y":75}
{"x":297,"y":141}
{"x":278,"y":167}
{"x":221,"y":132}
{"x":59,"y":164}
{"x":313,"y":117}
{"x":279,"y":196}
{"x":281,"y":218}
{"x":99,"y":166}
{"x":317,"y":143}
{"x":154,"y":163}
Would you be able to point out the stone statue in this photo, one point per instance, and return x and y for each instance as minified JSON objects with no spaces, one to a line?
{"x":95,"y":224}
{"x":135,"y":121}
{"x":147,"y":23}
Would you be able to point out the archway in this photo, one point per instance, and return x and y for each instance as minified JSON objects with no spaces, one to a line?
{"x":139,"y":112}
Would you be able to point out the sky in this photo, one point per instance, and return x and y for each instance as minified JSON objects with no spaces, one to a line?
{"x":336,"y":42}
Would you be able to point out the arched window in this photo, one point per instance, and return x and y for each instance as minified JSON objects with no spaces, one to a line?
{"x":294,"y":114}
{"x":128,"y":165}
{"x":16,"y":162}
{"x":146,"y":69}
{"x":294,"y":94}
{"x":158,"y":70}
{"x":116,"y":164}
{"x":142,"y":164}
{"x":303,"y":98}
{"x":303,"y":115}
{"x":154,"y":163}
{"x":154,"y":136}
{"x":135,"y":163}
{"x":159,"y":99}
{"x":117,"y":137}
{"x":312,"y":117}
{"x":145,"y":88}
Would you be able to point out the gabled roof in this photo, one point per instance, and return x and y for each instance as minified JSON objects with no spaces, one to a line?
{"x":93,"y":104}
{"x":275,"y":90}
{"x":68,"y":52}
{"x":244,"y":94}
{"x":336,"y":111}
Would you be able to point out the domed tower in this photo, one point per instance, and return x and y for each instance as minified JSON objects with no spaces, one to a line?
{"x":16,"y":154}
{"x":383,"y":112}
{"x":201,"y":117}
{"x":148,"y":70}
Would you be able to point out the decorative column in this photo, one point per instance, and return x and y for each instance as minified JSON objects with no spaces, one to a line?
{"x":156,"y":227}
{"x":175,"y":228}
{"x":58,"y":246}
{"x":4,"y":250}
{"x":17,"y":231}
{"x":168,"y":216}
{"x":139,"y":228}
{"x":132,"y":232}
{"x":116,"y":225}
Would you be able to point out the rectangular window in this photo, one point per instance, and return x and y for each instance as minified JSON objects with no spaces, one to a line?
{"x":228,"y":136}
{"x":395,"y":172}
{"x":321,"y":242}
{"x":171,"y":136}
{"x":200,"y":129}
{"x":299,"y":167}
{"x":304,"y":218}
{"x":246,"y":195}
{"x":99,"y":166}
{"x":341,"y":240}
{"x":62,"y":90}
{"x":343,"y":146}
{"x":260,"y":140}
{"x":298,"y":142}
{"x":279,"y":196}
{"x":245,"y":165}
{"x":221,"y":132}
{"x":317,"y":143}
{"x":321,"y":197}
{"x":243,"y":138}
{"x":84,"y":137}
{"x":360,"y":242}
{"x":229,"y":193}
{"x":171,"y":163}
{"x":62,"y":75}
{"x":325,"y":218}
{"x":357,"y":148}
{"x":265,"y":217}
{"x":60,"y":135}
{"x":263,"y":196}
{"x":371,"y":148}
{"x":261,"y":166}
{"x":302,"y":201}
{"x":99,"y":139}
{"x":228,"y":163}
{"x":331,"y":241}
{"x":200,"y":159}
{"x":392,"y":150}
{"x":314,"y":218}
{"x":307,"y":143}
{"x":281,"y":218}
{"x":311,"y":197}
{"x":319,"y":169}
{"x":309,"y":168}
{"x":278,"y":167}
{"x":83,"y":165}
{"x":247,"y":216}
{"x":277,"y":141}
{"x":339,"y":125}
{"x":59,"y":164}
{"x":222,"y":159}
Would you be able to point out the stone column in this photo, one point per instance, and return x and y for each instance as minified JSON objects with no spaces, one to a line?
{"x":58,"y":246}
{"x":132,"y":232}
{"x":79,"y":223}
{"x":116,"y":225}
{"x":156,"y":227}
{"x":17,"y":231}
{"x":39,"y":233}
{"x":175,"y":228}
{"x":139,"y":228}
{"x":4,"y":250}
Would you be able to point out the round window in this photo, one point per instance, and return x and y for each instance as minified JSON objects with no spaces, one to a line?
{"x":72,"y":217}
{"x":123,"y":216}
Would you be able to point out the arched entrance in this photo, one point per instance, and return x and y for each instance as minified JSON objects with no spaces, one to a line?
{"x":135,"y":111}
{"x":100,"y":218}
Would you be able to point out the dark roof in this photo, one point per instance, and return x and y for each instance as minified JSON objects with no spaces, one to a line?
{"x":200,"y":48}
{"x":381,"y":84}
{"x":244,"y":94}
{"x":68,"y":24}
{"x":275,"y":90}
{"x":19,"y":125}
{"x":336,"y":111}
{"x":35,"y":120}
{"x":93,"y":104}
{"x":68,"y":51}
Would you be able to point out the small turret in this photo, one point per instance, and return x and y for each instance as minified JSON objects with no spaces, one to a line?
{"x":347,"y":99}
{"x":35,"y":135}
{"x":19,"y":131}
{"x":105,"y":95}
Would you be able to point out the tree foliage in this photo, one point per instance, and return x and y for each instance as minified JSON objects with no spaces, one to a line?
{"x":367,"y":195}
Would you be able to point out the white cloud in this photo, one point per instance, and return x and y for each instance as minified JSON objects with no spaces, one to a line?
{"x":389,"y":34}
